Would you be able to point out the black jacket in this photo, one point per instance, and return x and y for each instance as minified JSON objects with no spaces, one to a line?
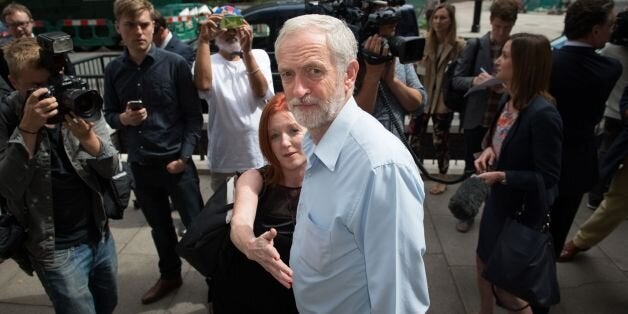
{"x":581,"y":82}
{"x":182,"y":49}
{"x":533,"y":145}
{"x":468,"y":66}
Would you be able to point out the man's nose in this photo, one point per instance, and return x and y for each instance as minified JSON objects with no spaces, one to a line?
{"x":299,"y":88}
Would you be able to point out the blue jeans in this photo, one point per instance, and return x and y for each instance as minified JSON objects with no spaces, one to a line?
{"x":82,"y":279}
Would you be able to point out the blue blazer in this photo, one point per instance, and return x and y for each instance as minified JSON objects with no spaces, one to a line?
{"x":182,"y":49}
{"x":533,"y":145}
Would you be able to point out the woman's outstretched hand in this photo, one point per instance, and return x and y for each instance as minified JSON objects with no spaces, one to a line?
{"x":263,"y":251}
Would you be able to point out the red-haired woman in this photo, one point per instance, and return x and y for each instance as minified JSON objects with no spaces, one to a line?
{"x":257,"y":278}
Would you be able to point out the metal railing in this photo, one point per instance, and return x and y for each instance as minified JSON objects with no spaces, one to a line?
{"x":92,"y":70}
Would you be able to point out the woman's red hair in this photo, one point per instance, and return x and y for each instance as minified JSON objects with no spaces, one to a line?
{"x":278,"y":103}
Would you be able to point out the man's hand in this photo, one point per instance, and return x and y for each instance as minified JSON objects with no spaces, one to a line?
{"x":245,"y":34}
{"x":262,"y":250}
{"x":133,"y":117}
{"x":374,"y":45}
{"x":210,"y":29}
{"x":36,"y":112}
{"x":481,"y":78}
{"x":176,"y":166}
{"x":81,"y":129}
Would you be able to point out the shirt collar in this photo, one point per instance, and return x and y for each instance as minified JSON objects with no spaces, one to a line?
{"x":328,"y":149}
{"x":166,"y":41}
{"x":152,"y":54}
{"x":576,"y":43}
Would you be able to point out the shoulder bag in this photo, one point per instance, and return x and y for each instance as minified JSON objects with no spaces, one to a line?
{"x":208,"y":234}
{"x":523,"y":261}
{"x":116,"y":191}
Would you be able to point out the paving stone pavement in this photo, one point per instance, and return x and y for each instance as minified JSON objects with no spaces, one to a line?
{"x":595,"y":283}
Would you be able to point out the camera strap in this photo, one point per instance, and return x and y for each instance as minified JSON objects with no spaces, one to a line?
{"x":402,"y":136}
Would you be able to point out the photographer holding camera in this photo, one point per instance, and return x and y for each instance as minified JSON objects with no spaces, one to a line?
{"x":50,"y":178}
{"x":388,"y":84}
{"x":236,"y":82}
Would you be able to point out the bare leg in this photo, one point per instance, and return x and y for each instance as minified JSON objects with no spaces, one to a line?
{"x":484,"y":286}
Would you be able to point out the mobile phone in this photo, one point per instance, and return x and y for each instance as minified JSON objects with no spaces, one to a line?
{"x":231,"y":21}
{"x":135,"y":105}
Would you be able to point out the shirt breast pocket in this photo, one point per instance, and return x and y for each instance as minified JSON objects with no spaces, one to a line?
{"x":163,"y":93}
{"x":316,"y":253}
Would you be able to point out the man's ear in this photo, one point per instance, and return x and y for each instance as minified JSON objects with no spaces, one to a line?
{"x":13,"y":81}
{"x":117,"y":26}
{"x":352,"y":74}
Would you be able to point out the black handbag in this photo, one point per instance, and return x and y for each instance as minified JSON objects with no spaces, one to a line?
{"x":117,"y":191}
{"x":205,"y":240}
{"x":12,"y":235}
{"x":523,"y":262}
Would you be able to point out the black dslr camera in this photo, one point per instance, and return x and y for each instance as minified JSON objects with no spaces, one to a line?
{"x":364,"y":17}
{"x":71,"y":93}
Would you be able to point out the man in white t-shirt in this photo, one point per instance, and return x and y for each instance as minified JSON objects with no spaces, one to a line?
{"x":236,"y":82}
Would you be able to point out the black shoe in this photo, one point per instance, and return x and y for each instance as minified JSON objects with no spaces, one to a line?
{"x":161,"y":288}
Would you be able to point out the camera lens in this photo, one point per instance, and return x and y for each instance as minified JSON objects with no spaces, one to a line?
{"x":86,"y":104}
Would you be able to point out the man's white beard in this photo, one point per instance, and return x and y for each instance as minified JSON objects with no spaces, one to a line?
{"x":229,"y":47}
{"x":324,"y":112}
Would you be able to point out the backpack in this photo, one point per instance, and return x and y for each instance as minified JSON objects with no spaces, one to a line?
{"x":454,"y":99}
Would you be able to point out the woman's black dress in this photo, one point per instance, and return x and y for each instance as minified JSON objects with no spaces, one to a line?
{"x":244,"y":286}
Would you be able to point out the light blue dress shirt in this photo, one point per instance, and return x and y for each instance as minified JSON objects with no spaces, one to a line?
{"x":358,"y":244}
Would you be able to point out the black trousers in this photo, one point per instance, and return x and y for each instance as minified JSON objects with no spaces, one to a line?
{"x":562,"y":215}
{"x":154,"y":186}
{"x":472,"y":144}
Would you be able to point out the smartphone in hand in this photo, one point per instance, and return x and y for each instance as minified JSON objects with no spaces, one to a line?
{"x":136,"y":105}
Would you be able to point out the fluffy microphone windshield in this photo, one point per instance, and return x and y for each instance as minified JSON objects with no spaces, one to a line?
{"x":466,"y":202}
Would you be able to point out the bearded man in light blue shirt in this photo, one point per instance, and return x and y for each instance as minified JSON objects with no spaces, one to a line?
{"x":358,"y":244}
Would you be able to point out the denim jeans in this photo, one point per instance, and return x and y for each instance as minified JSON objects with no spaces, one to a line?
{"x":153,"y":185}
{"x":82,"y":279}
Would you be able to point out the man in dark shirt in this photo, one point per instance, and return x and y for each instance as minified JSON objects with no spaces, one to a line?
{"x":161,"y":132}
{"x":50,"y":180}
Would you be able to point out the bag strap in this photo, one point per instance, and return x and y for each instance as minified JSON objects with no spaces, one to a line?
{"x":541,"y":196}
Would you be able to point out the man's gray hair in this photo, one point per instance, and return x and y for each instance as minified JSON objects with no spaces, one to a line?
{"x":341,"y":42}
